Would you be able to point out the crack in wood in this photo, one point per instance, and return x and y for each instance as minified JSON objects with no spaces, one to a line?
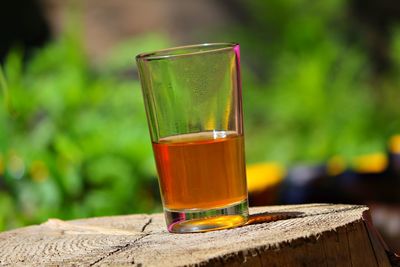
{"x":146,"y":224}
{"x":119,"y":249}
{"x":371,"y":242}
{"x":348,"y":247}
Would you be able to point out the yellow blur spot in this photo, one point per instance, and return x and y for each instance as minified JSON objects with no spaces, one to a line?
{"x":394,"y":144}
{"x":39,"y":171}
{"x":373,"y":163}
{"x":15,"y":165}
{"x":2,"y":167}
{"x":210,"y":124}
{"x":263,"y":175}
{"x":336,"y":165}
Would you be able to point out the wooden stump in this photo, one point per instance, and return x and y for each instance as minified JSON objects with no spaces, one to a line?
{"x":296,"y":235}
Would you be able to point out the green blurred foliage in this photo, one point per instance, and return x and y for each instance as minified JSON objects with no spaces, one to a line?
{"x":74,"y":140}
{"x":308,"y":85}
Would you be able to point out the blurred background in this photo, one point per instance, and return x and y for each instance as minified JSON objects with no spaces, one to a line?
{"x":320,"y":90}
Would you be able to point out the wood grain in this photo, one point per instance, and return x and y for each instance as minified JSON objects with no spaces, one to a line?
{"x":295,"y":235}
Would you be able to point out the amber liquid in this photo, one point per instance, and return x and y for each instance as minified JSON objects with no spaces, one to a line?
{"x":201,"y":171}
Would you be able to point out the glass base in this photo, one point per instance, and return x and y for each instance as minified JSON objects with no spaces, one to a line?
{"x":199,"y":220}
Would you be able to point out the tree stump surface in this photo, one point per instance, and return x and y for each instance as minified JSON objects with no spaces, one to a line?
{"x":294,"y":235}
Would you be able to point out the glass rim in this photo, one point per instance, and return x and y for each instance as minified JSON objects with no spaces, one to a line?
{"x":195,"y":49}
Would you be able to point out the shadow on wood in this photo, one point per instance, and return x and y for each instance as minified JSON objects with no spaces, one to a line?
{"x":265,"y":217}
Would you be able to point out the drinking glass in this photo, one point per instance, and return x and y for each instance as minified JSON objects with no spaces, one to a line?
{"x":193,"y":102}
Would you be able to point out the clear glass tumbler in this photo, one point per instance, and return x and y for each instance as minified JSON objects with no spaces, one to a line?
{"x":193,"y":101}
